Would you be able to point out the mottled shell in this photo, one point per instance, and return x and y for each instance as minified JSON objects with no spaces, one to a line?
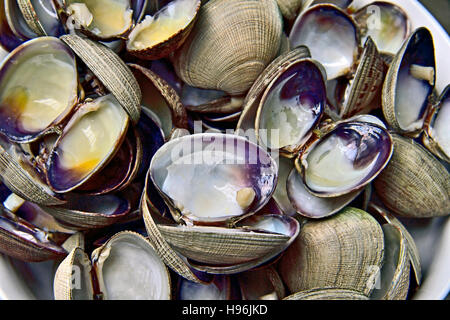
{"x":344,"y":251}
{"x":230,"y":45}
{"x":414,"y":183}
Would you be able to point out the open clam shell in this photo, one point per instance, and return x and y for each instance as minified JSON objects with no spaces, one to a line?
{"x":230,"y":45}
{"x":228,"y":176}
{"x":39,"y":88}
{"x":346,"y":159}
{"x":324,"y":255}
{"x":436,"y":133}
{"x":409,"y":83}
{"x":414,"y":183}
{"x":83,"y":149}
{"x":386,"y":23}
{"x":157,"y":36}
{"x":291,"y":107}
{"x":331,"y":36}
{"x":23,"y":241}
{"x":254,"y":94}
{"x":220,"y":288}
{"x":100,"y":19}
{"x":108,"y":276}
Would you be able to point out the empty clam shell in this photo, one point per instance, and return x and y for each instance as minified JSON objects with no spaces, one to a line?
{"x":386,"y":23}
{"x":414,"y":183}
{"x":331,"y":36}
{"x":41,"y":17}
{"x":291,"y":107}
{"x":159,"y":35}
{"x":409,"y":82}
{"x":94,"y":19}
{"x":345,"y":159}
{"x":228,"y":176}
{"x":230,"y":45}
{"x":220,"y":288}
{"x":38,"y":90}
{"x":324,"y":254}
{"x":71,"y":163}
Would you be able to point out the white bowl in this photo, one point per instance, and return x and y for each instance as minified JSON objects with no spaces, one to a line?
{"x":20,"y":280}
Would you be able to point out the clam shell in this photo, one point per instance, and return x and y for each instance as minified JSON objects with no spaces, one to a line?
{"x":231,"y":44}
{"x":30,"y":16}
{"x":9,"y":40}
{"x":162,"y":49}
{"x":89,"y":212}
{"x":324,"y":254}
{"x":327,"y":294}
{"x":111,"y":70}
{"x":252,"y":99}
{"x":399,"y":84}
{"x":221,"y":246}
{"x":172,"y":259}
{"x":173,"y":105}
{"x":289,"y":8}
{"x":414,"y":183}
{"x":261,"y":283}
{"x":366,"y":83}
{"x":394,"y":275}
{"x":25,"y":242}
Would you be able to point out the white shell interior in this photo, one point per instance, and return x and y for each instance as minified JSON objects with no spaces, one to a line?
{"x":130,"y":269}
{"x":280,"y":195}
{"x":329,"y":166}
{"x":39,"y":87}
{"x":411,"y":94}
{"x":286,"y":121}
{"x":332,"y":43}
{"x":169,"y":21}
{"x":196,"y":291}
{"x":81,"y":280}
{"x":110,"y":17}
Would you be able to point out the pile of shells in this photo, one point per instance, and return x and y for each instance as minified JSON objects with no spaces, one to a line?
{"x":221,"y":149}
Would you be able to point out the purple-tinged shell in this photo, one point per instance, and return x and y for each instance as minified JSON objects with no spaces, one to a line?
{"x":330,"y":35}
{"x":23,"y":241}
{"x":218,"y":289}
{"x":138,"y":7}
{"x":203,"y":176}
{"x":84,"y":149}
{"x":291,"y":106}
{"x":26,"y":110}
{"x":346,"y":159}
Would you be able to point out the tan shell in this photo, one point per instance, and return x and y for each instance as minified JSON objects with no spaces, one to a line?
{"x":327,"y":294}
{"x":290,"y":8}
{"x":252,"y":99}
{"x":414,"y":183}
{"x":221,"y":246}
{"x":261,"y":284}
{"x":16,"y":175}
{"x":344,"y":251}
{"x":230,"y":45}
{"x":111,"y":71}
{"x":366,"y":83}
{"x":167,"y":254}
{"x":173,"y":100}
{"x":30,"y":17}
